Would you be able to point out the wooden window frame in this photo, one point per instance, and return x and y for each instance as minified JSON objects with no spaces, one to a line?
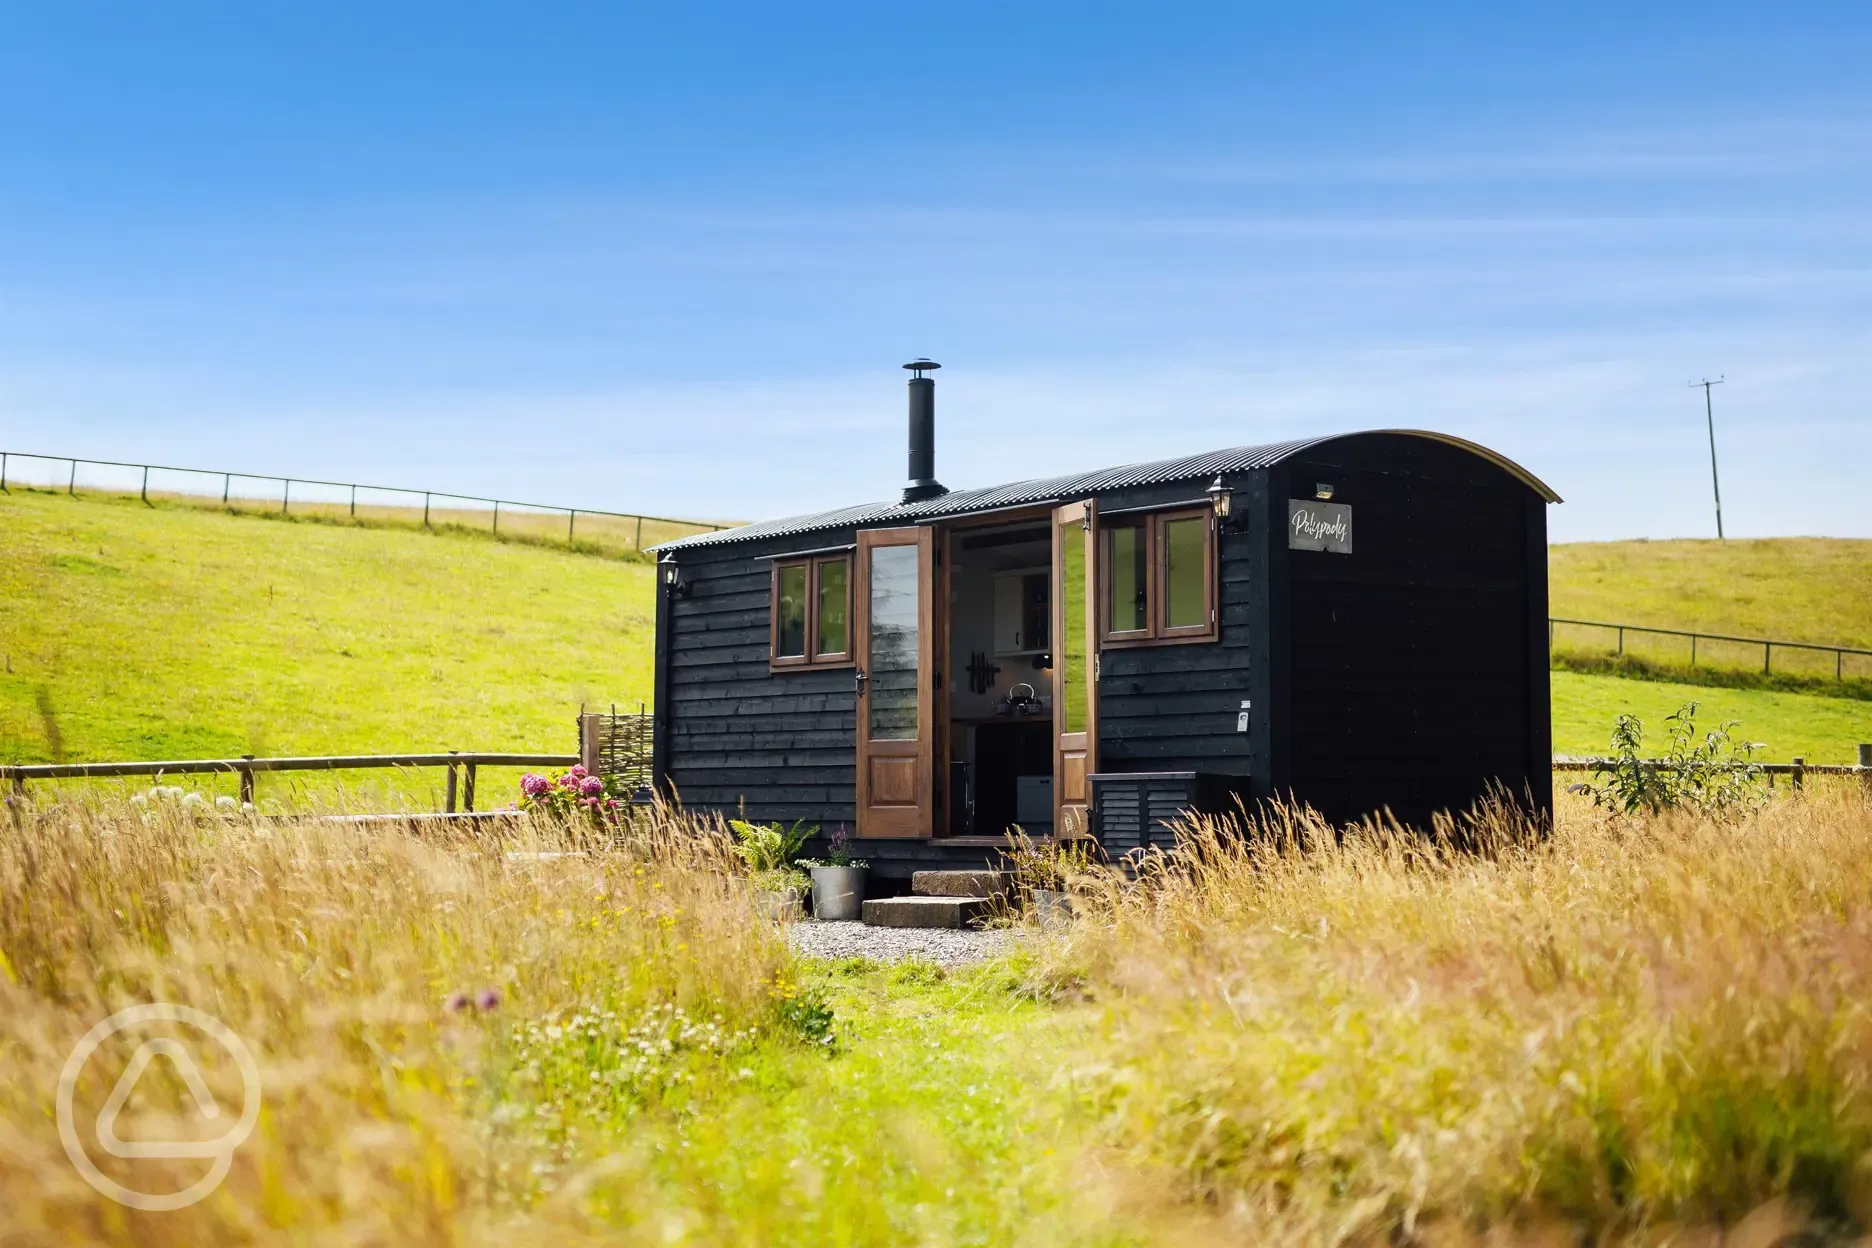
{"x":812,"y":660}
{"x":1156,"y":564}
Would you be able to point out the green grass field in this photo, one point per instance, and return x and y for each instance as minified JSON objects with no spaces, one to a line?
{"x":1787,"y":725}
{"x":175,"y":631}
{"x":144,"y":633}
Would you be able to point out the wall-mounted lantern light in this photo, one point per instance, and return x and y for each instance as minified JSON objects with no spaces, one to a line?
{"x":1322,"y":491}
{"x":672,"y":580}
{"x":1219,"y":497}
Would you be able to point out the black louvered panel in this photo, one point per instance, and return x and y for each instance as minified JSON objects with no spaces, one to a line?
{"x":1166,"y":803}
{"x":1138,"y":810}
{"x":1120,"y":825}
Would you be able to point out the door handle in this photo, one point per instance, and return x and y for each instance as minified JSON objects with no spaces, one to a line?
{"x":860,"y":685}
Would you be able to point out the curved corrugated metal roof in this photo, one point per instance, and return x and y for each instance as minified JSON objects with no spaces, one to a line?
{"x":1202,"y":467}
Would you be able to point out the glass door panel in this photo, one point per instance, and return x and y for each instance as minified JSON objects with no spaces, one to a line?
{"x":893,"y":635}
{"x":1075,"y":665}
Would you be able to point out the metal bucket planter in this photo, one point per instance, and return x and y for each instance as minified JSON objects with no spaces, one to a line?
{"x":837,"y":892}
{"x":1051,"y":909}
{"x":780,"y":905}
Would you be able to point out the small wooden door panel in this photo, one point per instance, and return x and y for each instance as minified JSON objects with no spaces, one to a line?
{"x":895,"y":646}
{"x":1075,"y":665}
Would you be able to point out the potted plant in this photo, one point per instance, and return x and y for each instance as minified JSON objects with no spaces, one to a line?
{"x":768,"y":849}
{"x":838,"y":880}
{"x":1043,"y":873}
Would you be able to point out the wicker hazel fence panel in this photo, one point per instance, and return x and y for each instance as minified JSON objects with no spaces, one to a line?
{"x":617,"y":747}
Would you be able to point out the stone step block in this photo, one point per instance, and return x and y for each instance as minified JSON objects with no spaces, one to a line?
{"x":958,"y":883}
{"x":956,"y":912}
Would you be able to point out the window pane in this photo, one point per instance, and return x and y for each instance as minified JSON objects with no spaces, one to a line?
{"x":1185,"y":575}
{"x":790,"y":614}
{"x":892,"y":690}
{"x":1072,"y":694}
{"x":834,"y":630}
{"x":1125,"y":553}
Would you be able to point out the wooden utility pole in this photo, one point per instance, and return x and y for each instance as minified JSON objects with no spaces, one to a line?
{"x":1709,"y":414}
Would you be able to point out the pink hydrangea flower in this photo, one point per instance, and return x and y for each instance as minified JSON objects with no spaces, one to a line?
{"x":591,"y":786}
{"x":535,"y":785}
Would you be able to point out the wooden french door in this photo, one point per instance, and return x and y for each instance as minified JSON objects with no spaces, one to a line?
{"x":1075,"y":665}
{"x":895,"y":635}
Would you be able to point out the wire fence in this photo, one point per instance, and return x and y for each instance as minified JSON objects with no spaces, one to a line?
{"x":346,"y":501}
{"x":1713,"y":649}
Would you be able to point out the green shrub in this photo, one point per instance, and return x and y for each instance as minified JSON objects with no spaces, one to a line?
{"x":1715,"y":776}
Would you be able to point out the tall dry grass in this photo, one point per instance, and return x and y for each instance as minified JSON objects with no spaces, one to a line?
{"x":395,"y":1111}
{"x":1626,"y":1026}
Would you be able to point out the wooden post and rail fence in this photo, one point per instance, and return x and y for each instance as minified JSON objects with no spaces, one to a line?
{"x":611,"y":745}
{"x":1768,"y":644}
{"x":286,"y":484}
{"x":461,"y":766}
{"x":1796,"y":771}
{"x":601,"y":744}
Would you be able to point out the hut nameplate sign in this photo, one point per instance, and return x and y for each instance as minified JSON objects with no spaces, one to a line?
{"x":1314,"y":525}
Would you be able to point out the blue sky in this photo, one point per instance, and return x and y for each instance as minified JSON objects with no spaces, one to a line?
{"x":669,"y":258}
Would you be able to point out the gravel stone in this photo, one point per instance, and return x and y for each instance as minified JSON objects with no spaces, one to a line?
{"x":945,"y":947}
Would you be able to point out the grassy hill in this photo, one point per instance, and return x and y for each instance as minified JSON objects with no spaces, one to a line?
{"x":1801,"y":589}
{"x":173,"y":631}
{"x":135,"y":632}
{"x":1794,"y":588}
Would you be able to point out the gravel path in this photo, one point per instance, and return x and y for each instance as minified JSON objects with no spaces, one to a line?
{"x":943,"y":946}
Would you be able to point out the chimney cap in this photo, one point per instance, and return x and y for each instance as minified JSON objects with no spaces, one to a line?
{"x":920,"y":365}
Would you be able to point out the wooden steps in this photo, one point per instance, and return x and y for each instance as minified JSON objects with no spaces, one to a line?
{"x":952,"y":899}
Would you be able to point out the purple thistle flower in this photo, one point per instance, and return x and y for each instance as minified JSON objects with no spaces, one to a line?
{"x":488,"y":1000}
{"x":534,"y":785}
{"x":455,"y":1002}
{"x":591,"y":786}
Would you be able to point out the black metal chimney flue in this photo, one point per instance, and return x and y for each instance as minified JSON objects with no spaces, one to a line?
{"x":923,"y":482}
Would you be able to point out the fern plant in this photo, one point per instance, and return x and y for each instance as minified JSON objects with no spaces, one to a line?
{"x":768,"y":849}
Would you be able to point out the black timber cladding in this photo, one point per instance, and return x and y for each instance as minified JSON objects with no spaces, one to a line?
{"x":1410,"y":674}
{"x":1411,"y":681}
{"x":742,"y":738}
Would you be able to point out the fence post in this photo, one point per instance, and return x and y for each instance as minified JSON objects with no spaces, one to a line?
{"x":246,"y":780}
{"x":1767,"y":657}
{"x":1693,"y":641}
{"x":571,"y":519}
{"x":1800,"y":773}
{"x":145,"y":492}
{"x":71,"y":487}
{"x":3,"y":463}
{"x":286,"y":498}
{"x":1839,"y":664}
{"x":425,"y":510}
{"x":497,"y":515}
{"x":468,"y":789}
{"x":227,"y":482}
{"x":1865,"y":768}
{"x":448,"y":803}
{"x":1621,"y":641}
{"x":638,"y":547}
